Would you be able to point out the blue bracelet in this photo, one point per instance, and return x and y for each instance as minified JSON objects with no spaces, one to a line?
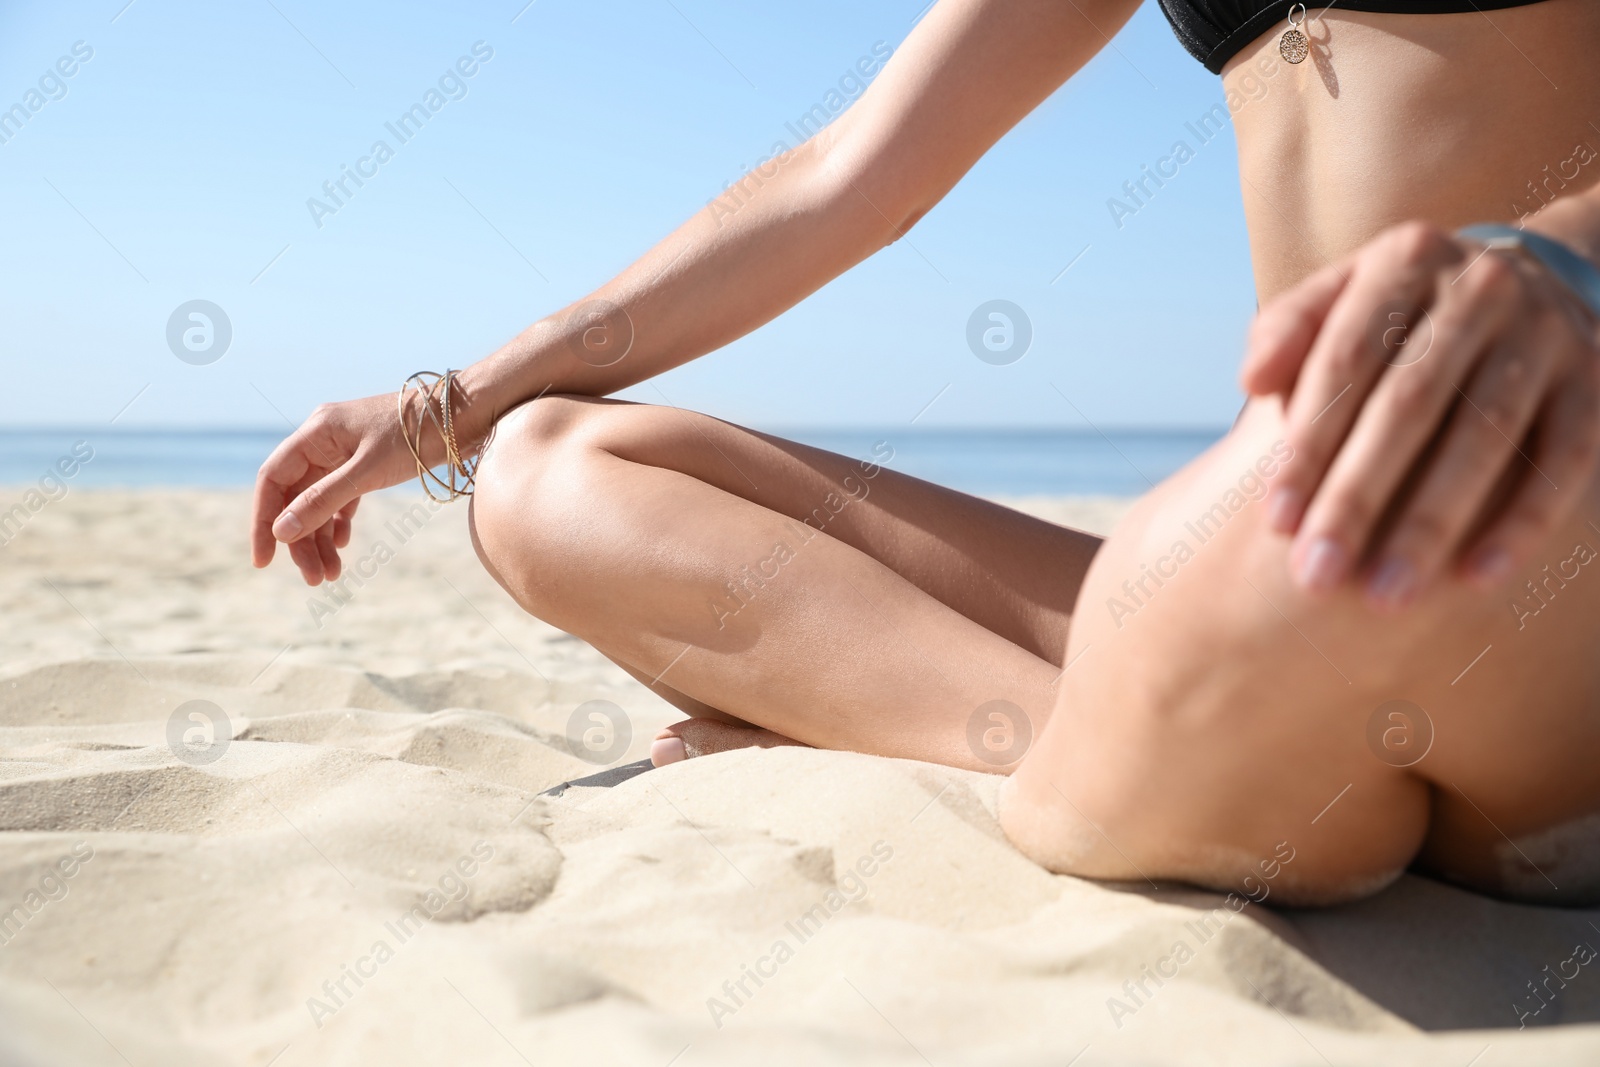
{"x":1572,"y":270}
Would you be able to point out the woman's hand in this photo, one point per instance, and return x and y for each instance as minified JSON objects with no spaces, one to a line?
{"x":1423,"y":344}
{"x":308,"y":489}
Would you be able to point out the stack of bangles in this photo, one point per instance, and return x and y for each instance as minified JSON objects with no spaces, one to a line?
{"x":436,"y":392}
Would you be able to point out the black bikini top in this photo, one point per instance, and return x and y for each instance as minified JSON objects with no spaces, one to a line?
{"x":1214,"y":31}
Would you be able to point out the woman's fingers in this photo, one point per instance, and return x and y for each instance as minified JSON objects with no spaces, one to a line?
{"x":328,"y":553}
{"x":1355,"y":346}
{"x":1493,"y":414}
{"x":306,"y":505}
{"x":343,"y":523}
{"x":317,"y":556}
{"x":269,"y":500}
{"x":1406,"y":408}
{"x":306,"y":557}
{"x":308,"y":489}
{"x":1558,"y":468}
{"x":1283,"y":333}
{"x":285,"y":469}
{"x":321,"y":502}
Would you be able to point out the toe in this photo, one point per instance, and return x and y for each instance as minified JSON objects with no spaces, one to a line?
{"x":704,"y":737}
{"x":667,"y":749}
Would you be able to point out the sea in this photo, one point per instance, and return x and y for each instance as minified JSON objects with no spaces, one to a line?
{"x":987,"y":462}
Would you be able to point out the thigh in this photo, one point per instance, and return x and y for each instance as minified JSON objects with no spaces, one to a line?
{"x":1458,"y":733}
{"x":1011,"y":573}
{"x":1214,"y":725}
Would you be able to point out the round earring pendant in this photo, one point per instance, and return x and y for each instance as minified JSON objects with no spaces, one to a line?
{"x":1293,"y":46}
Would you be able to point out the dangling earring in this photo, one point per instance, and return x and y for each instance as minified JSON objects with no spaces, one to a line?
{"x":1293,"y":45}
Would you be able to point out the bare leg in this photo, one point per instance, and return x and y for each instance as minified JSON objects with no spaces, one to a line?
{"x":1225,"y":728}
{"x":829,"y":600}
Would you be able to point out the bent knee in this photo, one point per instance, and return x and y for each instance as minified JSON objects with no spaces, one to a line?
{"x":514,"y":492}
{"x":526,"y":437}
{"x":527,"y":444}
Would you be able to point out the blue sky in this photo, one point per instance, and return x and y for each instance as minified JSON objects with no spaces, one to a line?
{"x":175,"y":164}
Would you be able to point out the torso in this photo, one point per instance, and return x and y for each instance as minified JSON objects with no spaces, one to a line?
{"x":1452,"y":118}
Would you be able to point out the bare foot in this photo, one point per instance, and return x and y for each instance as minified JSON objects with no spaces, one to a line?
{"x":702,"y":737}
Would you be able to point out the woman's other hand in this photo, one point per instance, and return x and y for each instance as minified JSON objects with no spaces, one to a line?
{"x":308,"y":489}
{"x":1425,"y":346}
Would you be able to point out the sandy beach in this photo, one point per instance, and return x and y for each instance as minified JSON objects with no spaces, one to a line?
{"x":359,"y":868}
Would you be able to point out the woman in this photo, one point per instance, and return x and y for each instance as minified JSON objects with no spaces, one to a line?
{"x":1382,"y":663}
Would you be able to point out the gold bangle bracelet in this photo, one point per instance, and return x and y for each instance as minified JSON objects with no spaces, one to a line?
{"x":442,"y":389}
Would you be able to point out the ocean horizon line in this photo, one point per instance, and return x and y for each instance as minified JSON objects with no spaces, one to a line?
{"x":984,"y":460}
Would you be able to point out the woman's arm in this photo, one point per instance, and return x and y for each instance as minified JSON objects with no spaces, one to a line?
{"x":965,"y":75}
{"x":969,"y":72}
